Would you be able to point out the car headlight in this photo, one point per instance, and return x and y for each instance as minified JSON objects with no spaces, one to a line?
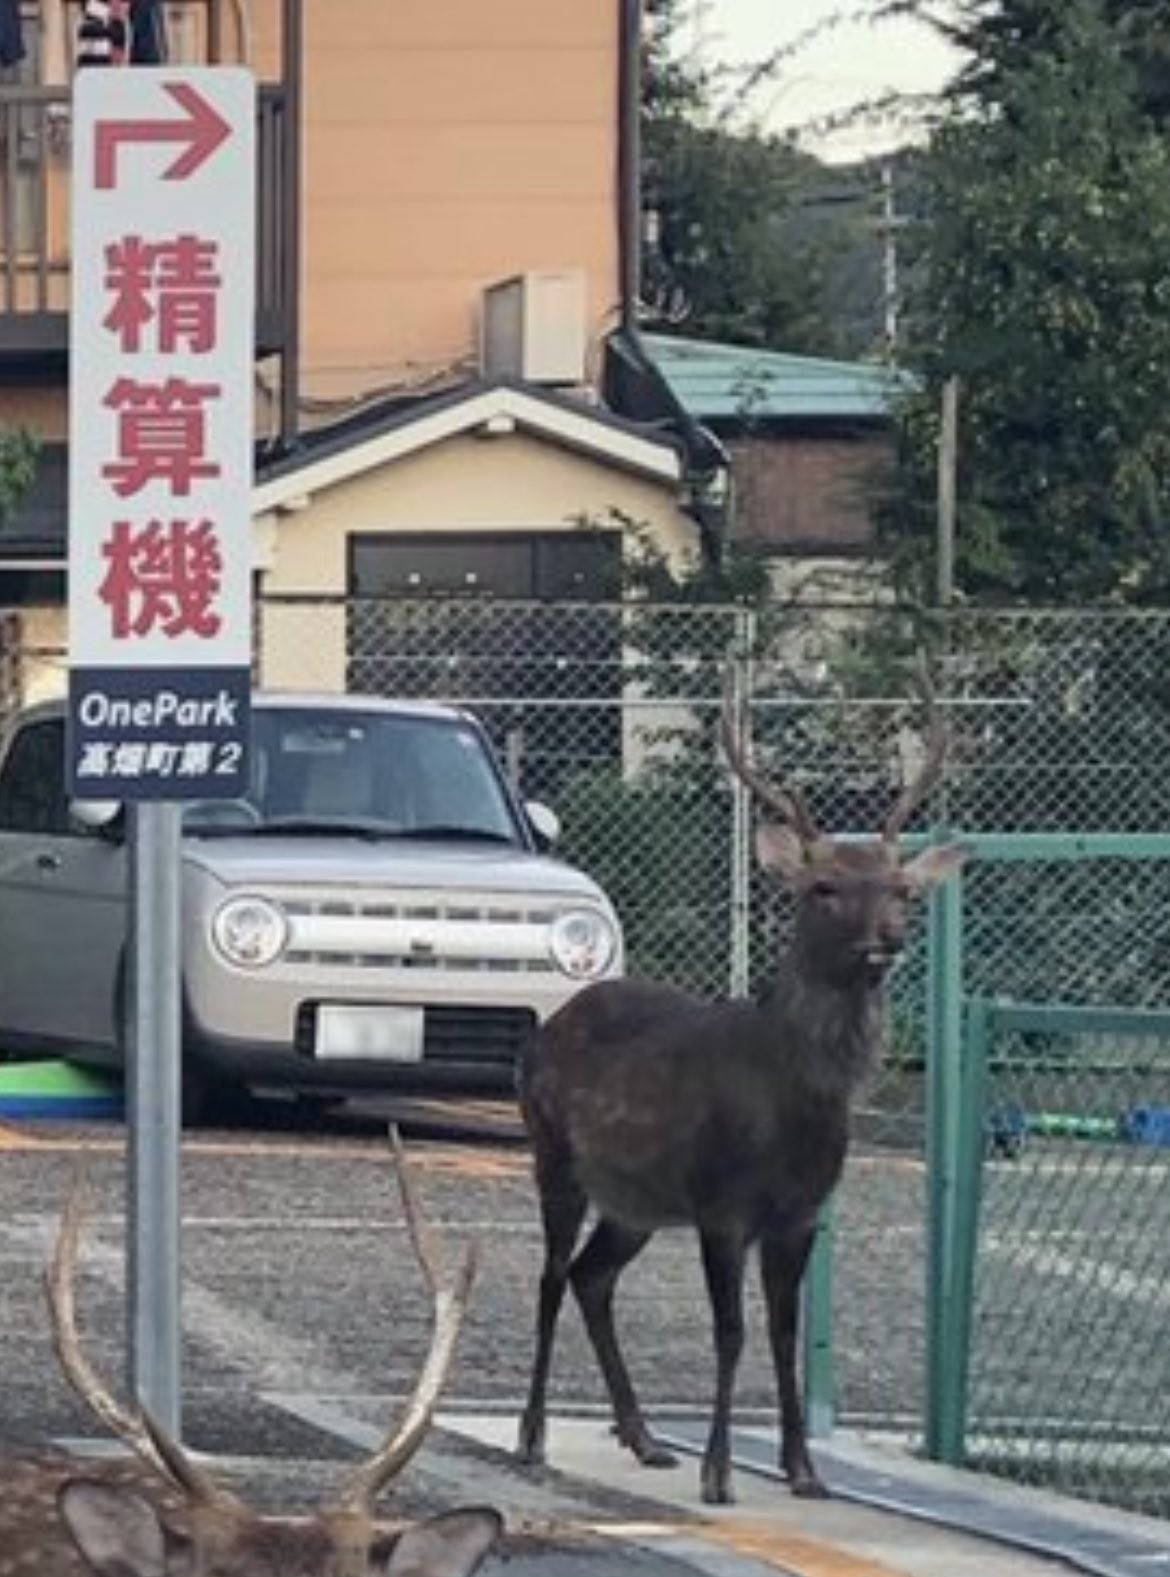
{"x":250,"y":932}
{"x":582,"y":943}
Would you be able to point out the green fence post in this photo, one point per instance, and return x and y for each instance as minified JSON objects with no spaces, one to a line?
{"x":819,"y":1378}
{"x":965,"y":1219}
{"x":944,"y":1059}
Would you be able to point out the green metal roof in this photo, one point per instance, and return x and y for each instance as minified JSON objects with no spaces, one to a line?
{"x":740,"y":383}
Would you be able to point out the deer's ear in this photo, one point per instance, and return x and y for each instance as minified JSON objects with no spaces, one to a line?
{"x":934,"y":865}
{"x":451,"y":1545}
{"x":118,"y":1531}
{"x":779,"y":850}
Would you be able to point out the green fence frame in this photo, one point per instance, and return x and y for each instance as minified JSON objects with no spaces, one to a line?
{"x":959,"y":1032}
{"x":985,"y":1019}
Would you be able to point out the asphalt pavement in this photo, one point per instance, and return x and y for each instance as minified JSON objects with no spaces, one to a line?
{"x":305,"y":1320}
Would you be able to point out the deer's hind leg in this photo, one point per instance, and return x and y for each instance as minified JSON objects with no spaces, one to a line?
{"x":563,"y":1204}
{"x":594,"y":1275}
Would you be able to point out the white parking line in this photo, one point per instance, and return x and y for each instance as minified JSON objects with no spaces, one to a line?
{"x":1089,"y":1272}
{"x":241,"y":1338}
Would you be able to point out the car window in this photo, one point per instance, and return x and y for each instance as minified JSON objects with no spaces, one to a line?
{"x":403,"y":773}
{"x":32,"y":784}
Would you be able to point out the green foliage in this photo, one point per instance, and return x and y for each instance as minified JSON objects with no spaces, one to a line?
{"x":727,"y":245}
{"x":726,"y":252}
{"x":659,"y":846}
{"x":1045,"y":286}
{"x":18,"y":461}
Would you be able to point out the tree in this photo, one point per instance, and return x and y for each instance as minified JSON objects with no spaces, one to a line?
{"x":999,"y":34}
{"x":725,"y":255}
{"x":17,"y":468}
{"x":1045,"y":286}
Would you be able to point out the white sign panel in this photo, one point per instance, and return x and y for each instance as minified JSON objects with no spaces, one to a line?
{"x":160,"y":439}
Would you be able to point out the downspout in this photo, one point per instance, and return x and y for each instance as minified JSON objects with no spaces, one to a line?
{"x":292,"y":71}
{"x":707,"y":463}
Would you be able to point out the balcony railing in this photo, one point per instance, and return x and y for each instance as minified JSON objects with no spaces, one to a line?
{"x":35,"y":134}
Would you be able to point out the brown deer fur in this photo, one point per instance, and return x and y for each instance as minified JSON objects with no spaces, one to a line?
{"x":662,"y":1109}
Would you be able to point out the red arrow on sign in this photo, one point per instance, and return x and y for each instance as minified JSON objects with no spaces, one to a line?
{"x":202,"y":128}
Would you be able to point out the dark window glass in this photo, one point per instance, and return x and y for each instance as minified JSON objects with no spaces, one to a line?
{"x":32,"y":785}
{"x":548,"y":566}
{"x":398,"y":774}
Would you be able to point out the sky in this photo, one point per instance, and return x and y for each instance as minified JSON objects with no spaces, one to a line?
{"x":846,"y":65}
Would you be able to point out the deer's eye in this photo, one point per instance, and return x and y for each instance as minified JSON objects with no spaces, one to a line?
{"x":825,"y":891}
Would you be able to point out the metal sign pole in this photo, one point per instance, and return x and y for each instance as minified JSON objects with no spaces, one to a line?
{"x":155,"y":1083}
{"x":160,"y":615}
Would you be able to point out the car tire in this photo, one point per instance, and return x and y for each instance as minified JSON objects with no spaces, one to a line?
{"x":205,"y":1097}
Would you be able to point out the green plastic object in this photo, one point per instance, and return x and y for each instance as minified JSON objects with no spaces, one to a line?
{"x":56,"y":1090}
{"x":1061,"y":1125}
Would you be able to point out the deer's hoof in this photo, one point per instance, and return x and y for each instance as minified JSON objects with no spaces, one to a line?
{"x":657,"y":1456}
{"x":649,"y":1452}
{"x":530,"y":1448}
{"x":717,"y":1491}
{"x":807,"y":1486}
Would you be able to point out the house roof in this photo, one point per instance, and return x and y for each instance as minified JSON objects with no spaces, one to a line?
{"x":720,"y":382}
{"x":387,"y":433}
{"x":36,"y":533}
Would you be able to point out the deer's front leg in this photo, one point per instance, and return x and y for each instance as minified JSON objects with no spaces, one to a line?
{"x":723,"y":1262}
{"x":563,"y":1207}
{"x":783,"y":1257}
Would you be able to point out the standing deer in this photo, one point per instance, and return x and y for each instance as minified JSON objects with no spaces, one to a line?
{"x":162,"y":1515}
{"x":663,"y":1109}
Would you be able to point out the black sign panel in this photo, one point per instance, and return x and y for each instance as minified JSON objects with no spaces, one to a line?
{"x":158,"y":733}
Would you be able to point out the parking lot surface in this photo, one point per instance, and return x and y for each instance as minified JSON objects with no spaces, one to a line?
{"x":305,"y":1320}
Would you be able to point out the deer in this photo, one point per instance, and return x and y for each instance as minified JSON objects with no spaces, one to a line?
{"x":662,"y":1109}
{"x":160,"y":1513}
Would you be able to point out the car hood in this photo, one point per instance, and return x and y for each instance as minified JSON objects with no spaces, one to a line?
{"x":272,"y":862}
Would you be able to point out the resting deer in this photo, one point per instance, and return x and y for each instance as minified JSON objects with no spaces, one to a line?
{"x":162,"y":1515}
{"x":662,"y":1109}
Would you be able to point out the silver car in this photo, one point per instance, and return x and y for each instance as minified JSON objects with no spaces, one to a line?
{"x":379,"y":910}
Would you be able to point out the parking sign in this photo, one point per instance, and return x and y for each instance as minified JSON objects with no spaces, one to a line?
{"x":160,"y":440}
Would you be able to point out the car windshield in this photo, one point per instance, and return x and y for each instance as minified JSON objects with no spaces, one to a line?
{"x":369,"y":774}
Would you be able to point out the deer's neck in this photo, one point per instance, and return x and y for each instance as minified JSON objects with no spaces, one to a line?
{"x":835,"y":1034}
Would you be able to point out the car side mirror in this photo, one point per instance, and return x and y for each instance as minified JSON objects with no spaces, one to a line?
{"x":544,"y":821}
{"x":101,"y":816}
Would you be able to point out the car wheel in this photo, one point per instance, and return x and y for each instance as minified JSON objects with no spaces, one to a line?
{"x":205,"y":1097}
{"x":210,"y":1100}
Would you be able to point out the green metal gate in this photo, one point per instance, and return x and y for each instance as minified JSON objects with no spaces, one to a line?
{"x":1048,"y":1163}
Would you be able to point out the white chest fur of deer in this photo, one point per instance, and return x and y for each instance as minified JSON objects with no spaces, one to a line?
{"x":660,"y":1109}
{"x":160,"y":1514}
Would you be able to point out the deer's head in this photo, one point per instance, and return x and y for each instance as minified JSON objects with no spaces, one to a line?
{"x":853,"y":899}
{"x":194,"y":1527}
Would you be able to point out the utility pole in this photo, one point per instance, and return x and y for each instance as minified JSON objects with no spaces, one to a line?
{"x":948,"y":456}
{"x":888,"y":226}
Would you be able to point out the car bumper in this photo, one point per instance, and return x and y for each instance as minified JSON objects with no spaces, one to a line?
{"x":466,"y":1047}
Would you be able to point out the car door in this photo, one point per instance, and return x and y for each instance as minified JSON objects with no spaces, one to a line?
{"x":62,"y":904}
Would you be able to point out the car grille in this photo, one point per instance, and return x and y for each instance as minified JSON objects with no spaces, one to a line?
{"x":478,"y":1034}
{"x":439,"y":936}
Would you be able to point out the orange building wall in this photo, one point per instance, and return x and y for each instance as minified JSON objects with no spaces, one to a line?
{"x":448,"y":145}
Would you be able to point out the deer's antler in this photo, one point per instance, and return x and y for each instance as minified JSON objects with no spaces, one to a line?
{"x":933,"y":759}
{"x":360,"y":1491}
{"x":786,"y":801}
{"x":143,"y":1434}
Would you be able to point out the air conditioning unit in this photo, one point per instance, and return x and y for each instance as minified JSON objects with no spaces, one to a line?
{"x":533,"y":327}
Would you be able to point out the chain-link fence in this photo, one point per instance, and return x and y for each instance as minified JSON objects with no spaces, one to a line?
{"x":1068,"y":1366}
{"x":1060,"y":726}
